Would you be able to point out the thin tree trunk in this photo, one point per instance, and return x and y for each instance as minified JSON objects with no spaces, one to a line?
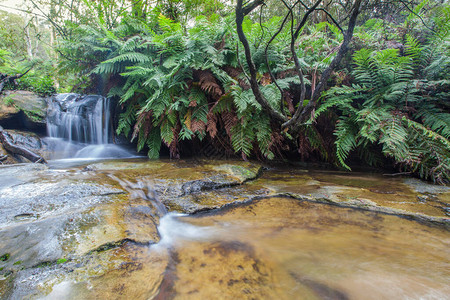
{"x":241,"y":12}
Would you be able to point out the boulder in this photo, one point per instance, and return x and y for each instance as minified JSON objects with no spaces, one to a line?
{"x":28,"y":140}
{"x":23,"y":110}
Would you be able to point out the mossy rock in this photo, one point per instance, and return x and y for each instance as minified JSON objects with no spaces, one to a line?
{"x":22,"y":110}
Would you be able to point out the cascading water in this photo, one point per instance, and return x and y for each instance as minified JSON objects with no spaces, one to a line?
{"x":80,"y":119}
{"x":79,"y":126}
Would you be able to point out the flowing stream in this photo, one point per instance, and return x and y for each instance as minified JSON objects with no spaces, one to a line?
{"x":280,"y":248}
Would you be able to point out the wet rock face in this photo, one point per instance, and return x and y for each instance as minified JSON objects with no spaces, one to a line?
{"x":23,"y":110}
{"x":188,"y":186}
{"x":40,"y":209}
{"x":28,"y":140}
{"x":105,"y":230}
{"x":50,"y":218}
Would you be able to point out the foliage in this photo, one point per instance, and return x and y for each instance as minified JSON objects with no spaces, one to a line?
{"x":399,"y":104}
{"x":177,"y":86}
{"x":36,"y":79}
{"x":181,"y":77}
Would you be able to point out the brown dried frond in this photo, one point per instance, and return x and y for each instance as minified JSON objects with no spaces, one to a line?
{"x":277,"y":143}
{"x":209,"y":84}
{"x":304,"y":147}
{"x":290,"y":104}
{"x":265,"y":79}
{"x":229,"y":119}
{"x":173,"y":147}
{"x":211,"y":125}
{"x":198,"y":126}
{"x":286,"y":73}
{"x":143,"y":122}
{"x":221,"y":44}
{"x":233,"y":72}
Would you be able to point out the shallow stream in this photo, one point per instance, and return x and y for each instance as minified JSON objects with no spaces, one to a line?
{"x":232,"y":231}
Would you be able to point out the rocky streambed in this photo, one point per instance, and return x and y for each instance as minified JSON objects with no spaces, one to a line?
{"x":196,"y":229}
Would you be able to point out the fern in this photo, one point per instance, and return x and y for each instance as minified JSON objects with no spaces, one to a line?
{"x":385,"y":108}
{"x":242,"y":137}
{"x":346,"y":133}
{"x":154,"y":143}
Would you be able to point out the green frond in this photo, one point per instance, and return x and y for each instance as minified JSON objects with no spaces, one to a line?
{"x":242,"y":137}
{"x":154,"y":143}
{"x":264,"y":135}
{"x":346,"y":133}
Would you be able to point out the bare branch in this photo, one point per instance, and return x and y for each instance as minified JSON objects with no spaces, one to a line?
{"x":294,"y":37}
{"x":274,"y":114}
{"x":267,"y":59}
{"x":414,"y":13}
{"x":251,"y":6}
{"x":305,"y":114}
{"x":332,"y":19}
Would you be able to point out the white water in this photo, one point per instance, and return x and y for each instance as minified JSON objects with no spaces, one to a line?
{"x":173,"y":230}
{"x":80,"y":127}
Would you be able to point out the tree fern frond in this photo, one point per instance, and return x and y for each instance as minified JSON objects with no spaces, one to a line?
{"x":346,"y":133}
{"x":241,"y":138}
{"x":154,"y":143}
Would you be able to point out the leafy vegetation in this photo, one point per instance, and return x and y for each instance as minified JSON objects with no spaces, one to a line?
{"x":398,"y":107}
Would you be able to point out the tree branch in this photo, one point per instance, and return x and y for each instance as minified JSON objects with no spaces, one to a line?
{"x":240,"y":13}
{"x":9,"y":145}
{"x":8,"y":78}
{"x":305,"y":115}
{"x":294,"y":37}
{"x":267,"y":59}
{"x":251,"y":6}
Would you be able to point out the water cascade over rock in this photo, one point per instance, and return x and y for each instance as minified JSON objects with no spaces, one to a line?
{"x":80,"y":126}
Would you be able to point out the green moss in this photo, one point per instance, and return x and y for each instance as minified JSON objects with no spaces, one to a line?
{"x":61,"y":260}
{"x":34,"y":115}
{"x":17,"y":263}
{"x":5,"y":257}
{"x":44,"y":264}
{"x":8,"y":100}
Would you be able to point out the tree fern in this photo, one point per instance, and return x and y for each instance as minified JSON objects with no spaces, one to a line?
{"x":242,"y":136}
{"x":346,"y":134}
{"x":386,"y":106}
{"x":154,"y":143}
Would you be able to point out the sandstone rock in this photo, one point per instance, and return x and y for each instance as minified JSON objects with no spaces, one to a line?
{"x":23,"y":110}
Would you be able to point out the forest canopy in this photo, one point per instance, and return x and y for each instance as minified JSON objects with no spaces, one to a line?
{"x":344,"y":82}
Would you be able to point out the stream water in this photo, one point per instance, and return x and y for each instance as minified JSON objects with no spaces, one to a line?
{"x":279,"y":248}
{"x":202,"y":229}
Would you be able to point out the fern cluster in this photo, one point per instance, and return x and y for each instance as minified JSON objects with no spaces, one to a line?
{"x":177,"y":84}
{"x":398,"y":107}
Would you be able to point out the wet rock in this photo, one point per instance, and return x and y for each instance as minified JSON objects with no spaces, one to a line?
{"x":92,"y":231}
{"x":28,"y":140}
{"x":22,"y":110}
{"x":128,"y":272}
{"x":366,"y":191}
{"x":423,"y":187}
{"x":48,"y":216}
{"x":187,"y":186}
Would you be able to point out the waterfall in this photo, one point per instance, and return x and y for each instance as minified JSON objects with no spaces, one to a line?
{"x":80,"y":126}
{"x":80,"y":119}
